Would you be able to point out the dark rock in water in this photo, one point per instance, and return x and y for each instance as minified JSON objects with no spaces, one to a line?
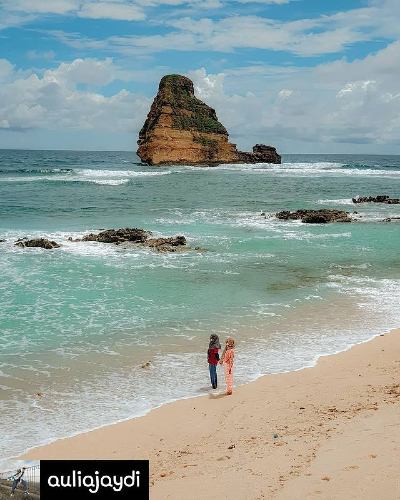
{"x":2,"y":241}
{"x":166,"y":244}
{"x":383,"y":198}
{"x":182,"y":129}
{"x":322,"y":216}
{"x":140,"y":237}
{"x":390,"y":219}
{"x":38,"y":242}
{"x":117,"y":236}
{"x":261,"y":154}
{"x":266,"y":154}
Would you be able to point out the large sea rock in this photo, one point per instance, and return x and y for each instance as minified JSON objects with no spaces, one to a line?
{"x":181,"y":129}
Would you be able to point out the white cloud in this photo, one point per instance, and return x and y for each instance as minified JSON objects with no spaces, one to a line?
{"x":41,"y":6}
{"x":37,"y":54}
{"x":277,"y":2}
{"x":94,"y":9}
{"x":304,"y":37}
{"x":334,"y":103}
{"x":111,"y":10}
{"x":86,"y":71}
{"x":6,"y":69}
{"x":53,"y":101}
{"x":285,"y":93}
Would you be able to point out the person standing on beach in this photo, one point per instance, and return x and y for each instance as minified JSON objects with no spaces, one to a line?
{"x":227,"y":359}
{"x":18,"y":478}
{"x":213,"y":358}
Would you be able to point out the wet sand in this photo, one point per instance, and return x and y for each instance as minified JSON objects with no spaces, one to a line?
{"x":327,"y":432}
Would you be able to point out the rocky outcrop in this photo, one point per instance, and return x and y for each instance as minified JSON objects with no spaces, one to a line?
{"x":377,"y":199}
{"x":118,"y":236}
{"x":140,"y":237}
{"x":261,"y":154}
{"x":322,"y":216}
{"x":166,"y":244}
{"x":391,"y":219}
{"x":181,"y":129}
{"x":38,"y":242}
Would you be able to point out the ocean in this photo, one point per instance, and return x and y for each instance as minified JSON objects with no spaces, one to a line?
{"x":77,"y":323}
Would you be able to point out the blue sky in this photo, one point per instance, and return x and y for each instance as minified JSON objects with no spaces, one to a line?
{"x":304,"y":75}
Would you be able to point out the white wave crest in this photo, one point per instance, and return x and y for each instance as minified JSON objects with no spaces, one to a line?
{"x":102,"y":177}
{"x":340,"y":201}
{"x":111,"y":182}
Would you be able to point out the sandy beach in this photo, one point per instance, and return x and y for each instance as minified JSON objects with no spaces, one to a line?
{"x":327,"y":432}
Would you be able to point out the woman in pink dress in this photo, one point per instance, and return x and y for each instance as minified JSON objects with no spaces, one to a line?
{"x":227,"y":359}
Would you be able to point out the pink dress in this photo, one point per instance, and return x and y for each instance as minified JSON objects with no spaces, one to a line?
{"x":228,"y":364}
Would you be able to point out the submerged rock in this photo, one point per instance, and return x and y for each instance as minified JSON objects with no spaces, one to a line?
{"x":37,"y":242}
{"x":322,"y":216}
{"x":383,"y":198}
{"x":181,"y":129}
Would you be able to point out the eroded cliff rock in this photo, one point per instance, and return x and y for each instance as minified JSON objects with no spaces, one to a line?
{"x":180,"y":128}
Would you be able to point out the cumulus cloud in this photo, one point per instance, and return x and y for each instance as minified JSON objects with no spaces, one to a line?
{"x":334,"y":103}
{"x":53,"y":100}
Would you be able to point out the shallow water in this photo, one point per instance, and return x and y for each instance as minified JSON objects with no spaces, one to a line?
{"x":76,"y":323}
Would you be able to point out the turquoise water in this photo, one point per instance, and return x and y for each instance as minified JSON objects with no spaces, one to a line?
{"x":77,"y":323}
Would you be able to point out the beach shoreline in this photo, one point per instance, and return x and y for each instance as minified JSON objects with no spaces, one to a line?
{"x":270,"y":435}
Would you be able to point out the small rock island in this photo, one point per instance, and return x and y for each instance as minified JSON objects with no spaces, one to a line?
{"x":181,"y":129}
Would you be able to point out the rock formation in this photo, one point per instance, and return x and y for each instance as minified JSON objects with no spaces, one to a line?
{"x":322,"y":216}
{"x":117,"y":236}
{"x":138,"y":237}
{"x":38,"y":242}
{"x":182,"y":129}
{"x":383,"y":198}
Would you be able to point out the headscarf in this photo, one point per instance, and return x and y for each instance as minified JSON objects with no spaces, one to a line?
{"x":214,"y":342}
{"x":229,"y":344}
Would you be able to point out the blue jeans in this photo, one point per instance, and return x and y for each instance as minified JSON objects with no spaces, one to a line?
{"x":213,"y":375}
{"x":23,"y":484}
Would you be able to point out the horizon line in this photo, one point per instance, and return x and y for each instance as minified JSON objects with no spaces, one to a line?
{"x":134,"y":152}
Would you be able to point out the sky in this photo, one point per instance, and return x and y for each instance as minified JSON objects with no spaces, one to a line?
{"x":307,"y":76}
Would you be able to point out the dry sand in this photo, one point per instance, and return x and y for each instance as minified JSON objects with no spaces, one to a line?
{"x":328,"y":432}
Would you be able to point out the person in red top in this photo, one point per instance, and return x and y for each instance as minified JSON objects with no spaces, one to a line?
{"x":213,"y":358}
